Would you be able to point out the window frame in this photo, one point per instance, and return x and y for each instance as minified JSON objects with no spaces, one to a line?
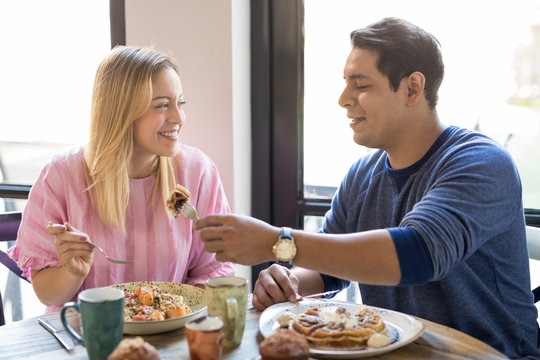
{"x":277,"y":91}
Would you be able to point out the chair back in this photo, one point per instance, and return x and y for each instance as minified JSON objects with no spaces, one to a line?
{"x":9,"y":226}
{"x":533,"y":243}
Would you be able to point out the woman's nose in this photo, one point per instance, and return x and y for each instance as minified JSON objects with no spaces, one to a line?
{"x":177,"y":116}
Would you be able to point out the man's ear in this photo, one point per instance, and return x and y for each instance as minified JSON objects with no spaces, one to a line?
{"x":415,"y":87}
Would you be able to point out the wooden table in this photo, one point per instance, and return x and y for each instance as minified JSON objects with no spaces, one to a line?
{"x":27,"y":339}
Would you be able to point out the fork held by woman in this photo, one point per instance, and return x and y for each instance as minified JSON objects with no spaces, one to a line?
{"x":67,"y":227}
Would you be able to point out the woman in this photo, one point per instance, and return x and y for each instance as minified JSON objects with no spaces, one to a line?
{"x":114,"y":191}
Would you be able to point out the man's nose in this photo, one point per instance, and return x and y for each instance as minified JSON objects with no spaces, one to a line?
{"x":344,"y":98}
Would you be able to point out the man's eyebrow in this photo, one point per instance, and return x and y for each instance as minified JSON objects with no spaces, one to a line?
{"x":357,"y":76}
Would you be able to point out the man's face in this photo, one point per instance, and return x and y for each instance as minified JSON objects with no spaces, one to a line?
{"x":374,"y":108}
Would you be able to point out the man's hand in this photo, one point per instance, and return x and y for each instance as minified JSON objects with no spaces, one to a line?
{"x":240,"y":239}
{"x":276,"y":284}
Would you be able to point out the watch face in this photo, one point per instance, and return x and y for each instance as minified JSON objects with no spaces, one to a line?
{"x":285,"y":250}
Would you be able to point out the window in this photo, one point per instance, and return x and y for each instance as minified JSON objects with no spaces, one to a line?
{"x":52,"y":51}
{"x":492,"y":79}
{"x":45,"y":96}
{"x":298,"y":53}
{"x":299,"y":50}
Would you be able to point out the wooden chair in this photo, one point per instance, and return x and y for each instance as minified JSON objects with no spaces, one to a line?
{"x":9,"y":225}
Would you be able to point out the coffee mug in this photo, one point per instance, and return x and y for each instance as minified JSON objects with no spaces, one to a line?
{"x":226,"y":297}
{"x":205,"y":338}
{"x":102,"y":317}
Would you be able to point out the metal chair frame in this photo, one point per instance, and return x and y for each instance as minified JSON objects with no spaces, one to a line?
{"x":9,"y":226}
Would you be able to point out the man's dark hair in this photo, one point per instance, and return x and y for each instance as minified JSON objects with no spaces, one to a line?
{"x":403,"y":48}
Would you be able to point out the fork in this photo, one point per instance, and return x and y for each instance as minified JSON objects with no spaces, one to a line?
{"x":99,"y":248}
{"x":107,"y":256}
{"x":312,"y":296}
{"x":189,"y":211}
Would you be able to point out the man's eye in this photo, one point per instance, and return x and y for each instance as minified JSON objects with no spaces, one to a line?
{"x":362,"y":87}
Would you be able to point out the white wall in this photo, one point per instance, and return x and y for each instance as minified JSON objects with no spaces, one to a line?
{"x":209,"y":39}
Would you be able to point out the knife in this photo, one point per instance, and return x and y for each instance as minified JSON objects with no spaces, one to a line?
{"x":61,"y":335}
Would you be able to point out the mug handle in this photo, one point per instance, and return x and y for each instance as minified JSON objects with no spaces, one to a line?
{"x":66,"y":324}
{"x":232,"y":318}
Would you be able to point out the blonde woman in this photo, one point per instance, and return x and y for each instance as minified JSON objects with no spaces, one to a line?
{"x":114,"y":191}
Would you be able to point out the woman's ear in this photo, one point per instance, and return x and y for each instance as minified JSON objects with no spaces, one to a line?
{"x":415,"y":87}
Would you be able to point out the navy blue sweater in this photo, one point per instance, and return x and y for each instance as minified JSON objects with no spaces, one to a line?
{"x":456,"y":219}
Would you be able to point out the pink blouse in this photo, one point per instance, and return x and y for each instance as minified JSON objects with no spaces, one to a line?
{"x":163,"y":248}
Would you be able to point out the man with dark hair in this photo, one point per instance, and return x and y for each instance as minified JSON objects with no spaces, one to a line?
{"x":430,"y":224}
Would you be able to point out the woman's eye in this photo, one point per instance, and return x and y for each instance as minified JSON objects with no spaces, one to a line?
{"x":181,"y":102}
{"x":162,"y":106}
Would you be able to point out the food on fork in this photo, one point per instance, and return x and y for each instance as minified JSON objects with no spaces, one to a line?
{"x":284,"y":344}
{"x":179,"y":197}
{"x":335,"y":328}
{"x":134,"y":349}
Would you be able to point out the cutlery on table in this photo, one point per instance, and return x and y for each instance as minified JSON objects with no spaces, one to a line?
{"x":61,"y":335}
{"x":103,"y":251}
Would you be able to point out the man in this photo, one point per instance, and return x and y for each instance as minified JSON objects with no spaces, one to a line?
{"x":431,"y":224}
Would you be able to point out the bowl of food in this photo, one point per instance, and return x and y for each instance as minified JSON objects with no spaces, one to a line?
{"x":152,"y":307}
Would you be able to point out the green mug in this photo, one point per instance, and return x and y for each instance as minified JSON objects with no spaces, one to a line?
{"x":102,"y":317}
{"x":226,"y":297}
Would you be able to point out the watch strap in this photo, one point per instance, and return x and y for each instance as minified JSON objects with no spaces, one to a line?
{"x":286,"y":233}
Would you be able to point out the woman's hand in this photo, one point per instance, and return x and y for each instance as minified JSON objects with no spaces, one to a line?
{"x":74,"y":252}
{"x":276,"y":284}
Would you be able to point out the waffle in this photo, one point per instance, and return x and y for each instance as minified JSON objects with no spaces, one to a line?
{"x":178,"y":199}
{"x":334,"y":328}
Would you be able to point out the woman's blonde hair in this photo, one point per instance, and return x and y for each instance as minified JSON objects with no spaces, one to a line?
{"x":122,"y":93}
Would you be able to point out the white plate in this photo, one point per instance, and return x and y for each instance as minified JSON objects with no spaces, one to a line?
{"x":194,"y":297}
{"x":407,"y":328}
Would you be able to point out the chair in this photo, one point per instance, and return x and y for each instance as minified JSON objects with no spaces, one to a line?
{"x":533,"y":243}
{"x":9,"y":225}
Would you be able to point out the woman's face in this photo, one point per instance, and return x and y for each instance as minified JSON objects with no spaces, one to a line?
{"x":156,"y":131}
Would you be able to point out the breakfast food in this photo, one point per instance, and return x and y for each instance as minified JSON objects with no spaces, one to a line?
{"x":151,"y":303}
{"x":178,"y":199}
{"x":285,"y":318}
{"x":335,"y":328}
{"x":134,"y":349}
{"x":284,"y":344}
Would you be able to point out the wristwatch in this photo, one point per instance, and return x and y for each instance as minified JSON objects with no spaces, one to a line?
{"x":284,"y":248}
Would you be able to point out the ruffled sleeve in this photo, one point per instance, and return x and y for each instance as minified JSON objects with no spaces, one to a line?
{"x":34,"y":249}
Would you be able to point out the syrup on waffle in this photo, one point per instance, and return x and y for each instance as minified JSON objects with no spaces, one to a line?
{"x":335,"y":328}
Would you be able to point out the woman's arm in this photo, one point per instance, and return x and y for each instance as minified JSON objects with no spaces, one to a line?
{"x":59,"y":284}
{"x":55,"y":285}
